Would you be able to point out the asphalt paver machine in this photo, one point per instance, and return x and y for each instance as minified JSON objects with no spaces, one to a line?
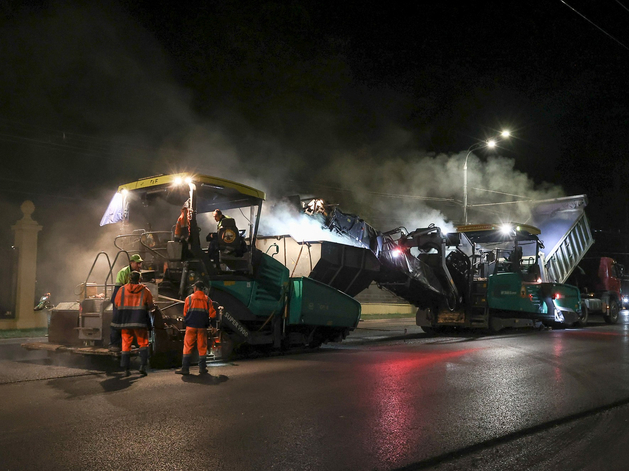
{"x":496,"y":270}
{"x":262,"y":305}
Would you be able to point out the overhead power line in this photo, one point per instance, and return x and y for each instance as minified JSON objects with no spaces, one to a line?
{"x":627,"y":9}
{"x":88,"y":146}
{"x":500,"y":193}
{"x":595,"y":25}
{"x":384,"y":195}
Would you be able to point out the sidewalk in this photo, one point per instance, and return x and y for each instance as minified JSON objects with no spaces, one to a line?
{"x":21,"y":340}
{"x":23,"y":333}
{"x":386,"y":311}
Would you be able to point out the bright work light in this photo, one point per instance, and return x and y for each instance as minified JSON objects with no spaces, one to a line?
{"x":506,"y":229}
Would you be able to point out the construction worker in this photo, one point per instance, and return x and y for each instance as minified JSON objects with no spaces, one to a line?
{"x":198,"y":310}
{"x":134,"y":302}
{"x":122,"y":278}
{"x":220,"y":218}
{"x":227,"y":239}
{"x":182,"y":228}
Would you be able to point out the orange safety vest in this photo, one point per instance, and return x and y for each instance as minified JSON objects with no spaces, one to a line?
{"x":182,"y":228}
{"x":132,"y":307}
{"x":198,"y":310}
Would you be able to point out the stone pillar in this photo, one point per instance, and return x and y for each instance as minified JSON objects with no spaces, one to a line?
{"x":26,"y":230}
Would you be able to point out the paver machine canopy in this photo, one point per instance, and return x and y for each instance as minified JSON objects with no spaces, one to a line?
{"x":154,"y":202}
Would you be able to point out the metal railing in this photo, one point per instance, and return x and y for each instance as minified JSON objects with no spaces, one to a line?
{"x":109,"y":279}
{"x":110,"y":266}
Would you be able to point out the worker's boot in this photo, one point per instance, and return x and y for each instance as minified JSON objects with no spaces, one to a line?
{"x":115,"y":340}
{"x":144,"y":358}
{"x":203,"y":365}
{"x":125,"y":359}
{"x":185,"y":366}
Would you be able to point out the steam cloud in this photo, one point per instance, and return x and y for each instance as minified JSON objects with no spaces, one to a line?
{"x":416,"y":189}
{"x":123,"y":94}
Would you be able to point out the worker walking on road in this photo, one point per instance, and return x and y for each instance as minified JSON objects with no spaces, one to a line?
{"x":197,"y":312}
{"x":135,"y":264}
{"x":134,"y":302}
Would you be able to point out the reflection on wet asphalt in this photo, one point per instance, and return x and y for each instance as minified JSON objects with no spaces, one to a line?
{"x":389,"y":397}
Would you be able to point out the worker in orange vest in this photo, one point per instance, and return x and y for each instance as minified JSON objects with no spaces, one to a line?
{"x":198,"y":311}
{"x":182,"y":228}
{"x":134,"y":303}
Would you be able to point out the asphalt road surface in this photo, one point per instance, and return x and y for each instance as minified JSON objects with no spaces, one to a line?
{"x":389,"y":397}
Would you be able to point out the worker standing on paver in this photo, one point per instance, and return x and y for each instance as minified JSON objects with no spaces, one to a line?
{"x":134,"y":302}
{"x":182,"y":227}
{"x":135,"y":264}
{"x":197,"y":312}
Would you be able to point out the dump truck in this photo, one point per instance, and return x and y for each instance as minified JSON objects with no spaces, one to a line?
{"x":600,"y":281}
{"x":263,"y":305}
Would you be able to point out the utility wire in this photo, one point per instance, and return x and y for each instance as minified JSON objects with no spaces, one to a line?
{"x":627,"y":9}
{"x":595,"y":25}
{"x":66,"y":135}
{"x":499,"y":192}
{"x":385,"y":195}
{"x":14,"y":131}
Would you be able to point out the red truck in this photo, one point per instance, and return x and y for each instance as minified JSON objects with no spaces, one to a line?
{"x":599,"y":280}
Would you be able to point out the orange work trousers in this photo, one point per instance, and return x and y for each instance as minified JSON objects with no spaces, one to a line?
{"x":198,"y":336}
{"x":127,"y":338}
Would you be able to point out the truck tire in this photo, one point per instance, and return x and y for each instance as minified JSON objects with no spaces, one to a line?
{"x":583,"y":318}
{"x":614,"y":311}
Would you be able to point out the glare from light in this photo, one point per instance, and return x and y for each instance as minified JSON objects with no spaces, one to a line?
{"x":506,"y":229}
{"x":505,"y":133}
{"x":491,"y":143}
{"x":558,"y":314}
{"x":188,"y":180}
{"x":178,"y":181}
{"x":397,"y":252}
{"x":124,"y":192}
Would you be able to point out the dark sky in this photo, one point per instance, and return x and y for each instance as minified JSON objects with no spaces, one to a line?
{"x":307,"y":95}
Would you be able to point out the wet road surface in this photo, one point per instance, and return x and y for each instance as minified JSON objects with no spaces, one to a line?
{"x":389,"y":397}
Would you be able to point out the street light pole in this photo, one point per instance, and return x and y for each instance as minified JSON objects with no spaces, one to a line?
{"x":491,"y":143}
{"x":465,"y":186}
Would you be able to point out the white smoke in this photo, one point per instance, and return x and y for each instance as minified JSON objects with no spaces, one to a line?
{"x":416,"y":189}
{"x":283,"y":219}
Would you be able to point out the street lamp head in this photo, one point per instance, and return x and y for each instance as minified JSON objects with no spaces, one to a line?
{"x":491,"y":143}
{"x":505,"y":133}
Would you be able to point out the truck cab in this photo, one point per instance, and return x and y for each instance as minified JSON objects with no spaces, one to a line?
{"x":599,"y":280}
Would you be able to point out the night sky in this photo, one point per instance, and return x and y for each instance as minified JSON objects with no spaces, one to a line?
{"x":348,"y":100}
